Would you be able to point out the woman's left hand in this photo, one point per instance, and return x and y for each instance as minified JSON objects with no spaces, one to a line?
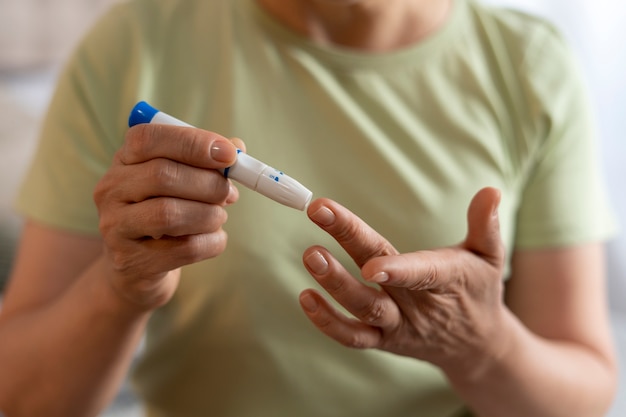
{"x":444,"y":306}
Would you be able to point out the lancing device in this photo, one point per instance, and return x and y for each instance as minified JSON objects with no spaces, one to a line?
{"x":248,"y":171}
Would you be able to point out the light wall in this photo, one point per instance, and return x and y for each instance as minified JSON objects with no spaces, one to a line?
{"x":36,"y":33}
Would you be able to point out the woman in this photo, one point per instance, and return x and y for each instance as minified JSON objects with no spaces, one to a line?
{"x":458,"y":133}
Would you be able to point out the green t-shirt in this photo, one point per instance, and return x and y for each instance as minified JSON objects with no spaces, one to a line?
{"x":403,"y":139}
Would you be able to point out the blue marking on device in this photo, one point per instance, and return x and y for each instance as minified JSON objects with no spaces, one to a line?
{"x":228,"y":168}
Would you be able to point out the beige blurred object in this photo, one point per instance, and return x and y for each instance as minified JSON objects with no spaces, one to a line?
{"x":36,"y":33}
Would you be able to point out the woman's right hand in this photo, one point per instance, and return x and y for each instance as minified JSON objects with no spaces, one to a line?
{"x":161,"y":206}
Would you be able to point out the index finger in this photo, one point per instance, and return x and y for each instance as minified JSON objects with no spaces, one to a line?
{"x":355,"y":236}
{"x":188,"y":145}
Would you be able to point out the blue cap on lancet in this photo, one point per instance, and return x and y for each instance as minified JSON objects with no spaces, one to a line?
{"x":141,"y":113}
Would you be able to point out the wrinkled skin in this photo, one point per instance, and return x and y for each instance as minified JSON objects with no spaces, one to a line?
{"x":443,"y":306}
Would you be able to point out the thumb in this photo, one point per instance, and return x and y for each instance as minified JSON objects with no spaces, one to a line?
{"x":483,"y":235}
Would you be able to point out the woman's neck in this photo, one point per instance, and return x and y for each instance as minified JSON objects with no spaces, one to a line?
{"x":368,"y":25}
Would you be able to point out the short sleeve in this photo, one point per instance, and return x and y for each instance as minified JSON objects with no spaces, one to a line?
{"x":564,"y":201}
{"x":82,"y":129}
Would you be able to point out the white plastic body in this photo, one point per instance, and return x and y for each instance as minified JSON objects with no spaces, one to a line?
{"x":256,"y":175}
{"x":166,"y":119}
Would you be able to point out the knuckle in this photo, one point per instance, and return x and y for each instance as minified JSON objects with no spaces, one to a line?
{"x":374,"y":312}
{"x":104,"y":188}
{"x":203,"y":246}
{"x":376,"y":249}
{"x":205,"y":218}
{"x":430,"y":273}
{"x":137,"y":144}
{"x":109,"y":221}
{"x":121,"y":261}
{"x":193,"y":144}
{"x":499,"y":254}
{"x":105,"y":225}
{"x":217,"y":217}
{"x":163,"y":172}
{"x":356,"y":341}
{"x":324,"y":323}
{"x":165,"y":213}
{"x":99,"y":194}
{"x":199,"y":144}
{"x":355,"y":234}
{"x":351,"y":232}
{"x":335,"y":286}
{"x":218,"y":187}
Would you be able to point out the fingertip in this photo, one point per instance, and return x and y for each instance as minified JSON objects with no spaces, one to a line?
{"x":495,"y":198}
{"x":315,"y":204}
{"x":321,"y":211}
{"x":380,"y":277}
{"x":308,"y":301}
{"x":233,"y":194}
{"x":486,"y":200}
{"x":223,"y":151}
{"x":238,"y":143}
{"x":315,"y":261}
{"x":483,"y":234}
{"x":322,"y":215}
{"x":492,"y":194}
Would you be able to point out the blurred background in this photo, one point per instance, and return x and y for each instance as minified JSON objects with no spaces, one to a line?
{"x":36,"y":36}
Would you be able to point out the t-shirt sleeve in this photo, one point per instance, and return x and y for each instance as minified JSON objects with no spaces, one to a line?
{"x":83,"y":128}
{"x":564,"y":201}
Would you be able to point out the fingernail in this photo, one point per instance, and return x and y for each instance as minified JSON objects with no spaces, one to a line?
{"x":380,"y":277}
{"x":323,"y":216}
{"x":316,"y":262}
{"x":221,"y":152}
{"x":308,"y":302}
